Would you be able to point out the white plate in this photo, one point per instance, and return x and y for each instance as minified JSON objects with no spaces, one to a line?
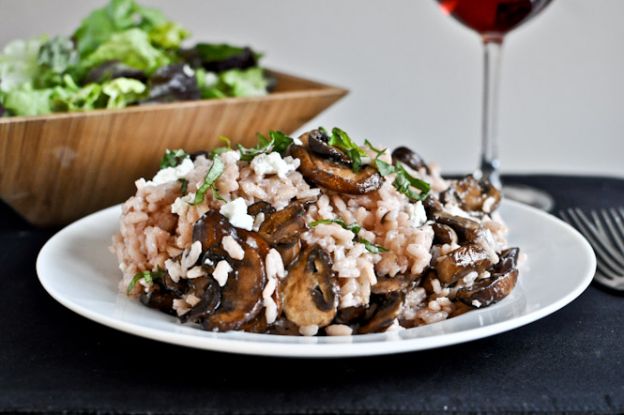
{"x":77,"y":269}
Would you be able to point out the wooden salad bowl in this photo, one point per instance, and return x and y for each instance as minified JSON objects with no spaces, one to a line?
{"x":57,"y":168}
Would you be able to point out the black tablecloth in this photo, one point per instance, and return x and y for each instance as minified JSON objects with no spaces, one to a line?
{"x":52,"y":360}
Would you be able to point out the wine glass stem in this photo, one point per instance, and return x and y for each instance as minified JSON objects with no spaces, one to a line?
{"x":489,"y":166}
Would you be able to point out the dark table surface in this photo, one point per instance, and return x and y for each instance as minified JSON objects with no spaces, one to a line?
{"x":54,"y":361}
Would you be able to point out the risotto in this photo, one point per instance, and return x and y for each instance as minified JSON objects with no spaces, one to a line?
{"x":312,"y":236}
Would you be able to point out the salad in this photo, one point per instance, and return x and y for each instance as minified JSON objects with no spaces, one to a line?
{"x":122,"y":54}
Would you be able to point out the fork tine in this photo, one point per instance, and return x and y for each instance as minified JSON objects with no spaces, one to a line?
{"x":617,"y":261}
{"x":609,"y":282}
{"x":597,"y":223}
{"x":607,"y":264}
{"x":619,"y":220}
{"x":615,"y":235}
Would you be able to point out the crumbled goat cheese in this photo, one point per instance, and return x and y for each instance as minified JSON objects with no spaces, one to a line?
{"x":221,"y":271}
{"x":476,"y":303}
{"x":417,"y":214}
{"x":234,"y":250}
{"x":236,"y":212}
{"x":273,"y":163}
{"x":171,"y":174}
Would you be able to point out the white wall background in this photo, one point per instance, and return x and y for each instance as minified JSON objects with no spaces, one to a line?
{"x":415,"y":74}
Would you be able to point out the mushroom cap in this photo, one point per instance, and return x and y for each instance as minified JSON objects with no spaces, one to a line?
{"x":309,"y":291}
{"x":456,"y":264}
{"x":334,"y":175}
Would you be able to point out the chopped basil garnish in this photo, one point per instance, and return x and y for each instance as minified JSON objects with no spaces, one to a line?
{"x":220,"y":150}
{"x":404,"y":182}
{"x":215,"y":171}
{"x":147,"y":276}
{"x":373,"y":148}
{"x":277,"y":141}
{"x":342,"y":141}
{"x":173,"y":158}
{"x":183,"y":186}
{"x":355,"y":228}
{"x":384,"y":168}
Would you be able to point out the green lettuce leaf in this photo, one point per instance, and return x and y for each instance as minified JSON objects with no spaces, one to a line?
{"x":18,"y":63}
{"x":244,"y":83}
{"x":56,"y":56}
{"x":132,"y":48}
{"x":70,"y":97}
{"x":27,"y":101}
{"x":168,"y":35}
{"x":121,"y":15}
{"x":122,"y":92}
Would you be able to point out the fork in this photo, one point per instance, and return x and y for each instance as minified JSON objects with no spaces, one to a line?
{"x":605,"y":232}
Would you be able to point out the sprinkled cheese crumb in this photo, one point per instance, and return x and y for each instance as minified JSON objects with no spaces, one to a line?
{"x":171,"y":174}
{"x":417,"y":214}
{"x":236,"y":212}
{"x":273,"y":163}
{"x":221,"y":271}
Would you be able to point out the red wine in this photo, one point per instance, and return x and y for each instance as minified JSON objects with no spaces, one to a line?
{"x":493,"y":17}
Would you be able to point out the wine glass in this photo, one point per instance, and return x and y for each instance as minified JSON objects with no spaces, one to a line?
{"x":492,"y":20}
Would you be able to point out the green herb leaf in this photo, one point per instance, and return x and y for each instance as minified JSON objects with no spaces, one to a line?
{"x":215,"y":171}
{"x":147,"y":276}
{"x":223,"y":149}
{"x":371,"y":247}
{"x":172,"y":158}
{"x":373,"y":148}
{"x":342,"y":141}
{"x":404,"y":183}
{"x":183,"y":186}
{"x":384,"y":168}
{"x":216,"y":195}
{"x":277,"y":141}
{"x":356,"y":159}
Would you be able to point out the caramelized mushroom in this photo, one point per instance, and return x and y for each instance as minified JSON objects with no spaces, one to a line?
{"x":467,"y":229}
{"x":318,"y":142}
{"x":334,"y":175}
{"x":159,"y":299}
{"x":350,"y":315}
{"x":476,"y":195}
{"x":456,"y":264}
{"x":284,"y":328}
{"x":309,"y":292}
{"x":241,"y":297}
{"x":387,"y":285}
{"x":260,"y":207}
{"x":443,"y":234}
{"x":209,"y":293}
{"x":409,"y":158}
{"x":283,"y":229}
{"x":385,"y":309}
{"x":488,"y":291}
{"x":211,"y":228}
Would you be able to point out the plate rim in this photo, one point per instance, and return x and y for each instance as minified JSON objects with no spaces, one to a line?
{"x":323,"y":350}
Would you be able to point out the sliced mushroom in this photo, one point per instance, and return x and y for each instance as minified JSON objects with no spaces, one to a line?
{"x":284,"y":327}
{"x":159,"y":299}
{"x":432,"y":206}
{"x":309,"y":292}
{"x":318,"y":142}
{"x":476,"y":195}
{"x":260,"y":207}
{"x":460,"y":308}
{"x":444,"y":234}
{"x":334,"y":175}
{"x":409,"y":158}
{"x":211,"y":228}
{"x":488,"y":291}
{"x":283,"y":229}
{"x":209,"y":293}
{"x":427,"y":280}
{"x":351,"y":315}
{"x":241,"y":297}
{"x":387,"y":285}
{"x":508,"y":259}
{"x":456,"y":264}
{"x":468,"y":230}
{"x":385,"y":309}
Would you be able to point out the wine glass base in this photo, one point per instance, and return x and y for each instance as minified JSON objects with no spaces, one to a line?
{"x":529,"y":196}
